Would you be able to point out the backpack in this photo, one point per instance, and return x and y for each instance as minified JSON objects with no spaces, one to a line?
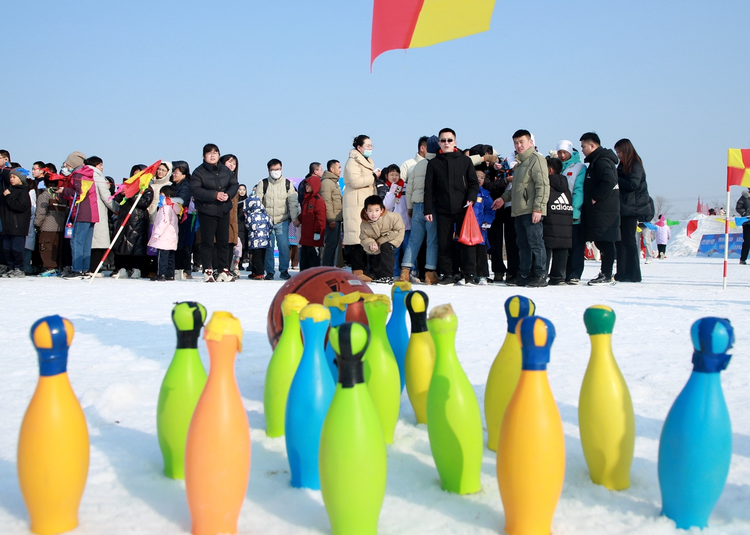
{"x":265,"y":186}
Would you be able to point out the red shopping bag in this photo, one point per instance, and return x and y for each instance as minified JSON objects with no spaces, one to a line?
{"x":470,"y":231}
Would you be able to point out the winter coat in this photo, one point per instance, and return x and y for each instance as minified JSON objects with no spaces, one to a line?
{"x":279,"y":199}
{"x":359,"y":182}
{"x":234,"y":228}
{"x":15,"y":210}
{"x":165,"y":234}
{"x":415,"y":182}
{"x":601,"y":221}
{"x":86,"y":209}
{"x":156,"y":184}
{"x":257,"y":222}
{"x":51,"y":211}
{"x":396,"y":204}
{"x":313,"y":216}
{"x":575,"y":172}
{"x":558,"y":223}
{"x":331,"y":194}
{"x":241,"y":214}
{"x":104,"y":205}
{"x":450,"y":182}
{"x":743,"y":206}
{"x":206,"y":181}
{"x":31,"y":235}
{"x":530,"y":191}
{"x":408,"y":165}
{"x":389,"y":228}
{"x":134,"y":237}
{"x":662,"y":232}
{"x":484,"y":213}
{"x":381,"y":187}
{"x":634,"y":199}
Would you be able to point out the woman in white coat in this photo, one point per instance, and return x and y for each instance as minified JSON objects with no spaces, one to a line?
{"x":359,"y":183}
{"x":104,"y":203}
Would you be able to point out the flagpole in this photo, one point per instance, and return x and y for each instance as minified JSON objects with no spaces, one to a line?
{"x":117,"y":235}
{"x":726,"y":240}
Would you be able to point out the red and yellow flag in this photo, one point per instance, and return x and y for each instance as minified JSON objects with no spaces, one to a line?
{"x":138,"y":181}
{"x":738,"y":168}
{"x":399,"y":24}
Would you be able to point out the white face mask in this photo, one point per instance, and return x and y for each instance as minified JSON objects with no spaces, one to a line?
{"x":275,"y":174}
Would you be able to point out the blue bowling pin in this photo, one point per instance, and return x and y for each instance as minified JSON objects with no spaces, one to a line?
{"x":696,"y":442}
{"x":398,"y":333}
{"x":336,"y":303}
{"x":309,"y":398}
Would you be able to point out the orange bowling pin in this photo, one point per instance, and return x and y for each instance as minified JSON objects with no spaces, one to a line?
{"x":217,"y":454}
{"x":53,"y":447}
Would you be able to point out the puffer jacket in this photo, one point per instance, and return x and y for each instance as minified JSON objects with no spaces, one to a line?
{"x":601,"y":221}
{"x":415,"y":182}
{"x":634,"y":199}
{"x":279,"y":199}
{"x":530,"y":191}
{"x":104,"y":206}
{"x":558,"y":223}
{"x":15,"y":211}
{"x":743,"y":206}
{"x":257,"y":222}
{"x":134,"y":237}
{"x":359,"y":183}
{"x":156,"y":185}
{"x":166,"y":225}
{"x":450,"y":181}
{"x":51,"y":211}
{"x":331,"y":194}
{"x":206,"y":181}
{"x":575,"y":171}
{"x":389,"y":228}
{"x":313,"y":216}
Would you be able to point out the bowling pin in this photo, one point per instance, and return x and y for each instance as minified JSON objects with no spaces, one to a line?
{"x":309,"y":398}
{"x":605,"y":410}
{"x":53,"y":447}
{"x":217,"y":454}
{"x":337,"y":303}
{"x":381,"y":369}
{"x":531,"y":451}
{"x":353,"y":462}
{"x":420,"y":355}
{"x":454,"y":423}
{"x":398,"y":333}
{"x":283,"y":365}
{"x":506,"y":369}
{"x":181,"y":388}
{"x":696,"y":442}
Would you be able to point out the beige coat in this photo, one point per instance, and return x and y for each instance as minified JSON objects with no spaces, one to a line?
{"x":359,"y":183}
{"x":388,"y":229}
{"x":331,"y":194}
{"x":415,"y":184}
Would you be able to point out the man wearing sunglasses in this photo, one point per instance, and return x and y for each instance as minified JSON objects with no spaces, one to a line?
{"x":450,"y":188}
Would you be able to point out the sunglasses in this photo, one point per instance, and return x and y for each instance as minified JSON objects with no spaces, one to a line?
{"x":444,"y":140}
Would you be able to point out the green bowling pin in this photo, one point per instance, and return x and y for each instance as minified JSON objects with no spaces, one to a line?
{"x":352,"y":459}
{"x":454,"y":423}
{"x":181,"y":388}
{"x":283,"y":365}
{"x":381,"y":369}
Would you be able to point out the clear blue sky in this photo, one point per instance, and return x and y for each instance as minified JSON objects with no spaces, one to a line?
{"x":136,"y":81}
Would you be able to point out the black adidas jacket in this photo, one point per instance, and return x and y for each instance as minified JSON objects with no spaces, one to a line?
{"x":558,"y":223}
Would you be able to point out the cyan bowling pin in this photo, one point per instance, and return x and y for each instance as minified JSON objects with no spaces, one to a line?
{"x":381,"y":369}
{"x":531,"y":451}
{"x":181,"y":388}
{"x":309,"y":398}
{"x":337,"y":303}
{"x":53,"y":447}
{"x":454,"y":423}
{"x":506,"y":369}
{"x":353,"y":464}
{"x":605,"y":410}
{"x":283,"y":365}
{"x":696,"y":442}
{"x":217,"y":454}
{"x":398,"y":333}
{"x":420,"y":355}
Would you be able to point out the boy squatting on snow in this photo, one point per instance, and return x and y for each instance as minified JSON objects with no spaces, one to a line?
{"x":380,"y":233}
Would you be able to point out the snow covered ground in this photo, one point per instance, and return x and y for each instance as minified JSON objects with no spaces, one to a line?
{"x":125,"y":340}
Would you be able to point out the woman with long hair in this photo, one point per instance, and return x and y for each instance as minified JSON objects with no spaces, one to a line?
{"x":233,"y":164}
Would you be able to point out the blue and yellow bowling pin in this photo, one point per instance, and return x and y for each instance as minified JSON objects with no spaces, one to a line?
{"x":605,"y":410}
{"x":531,"y":451}
{"x":381,"y":369}
{"x":283,"y":365}
{"x":695,"y":449}
{"x":506,"y":369}
{"x":353,"y":464}
{"x":181,"y":388}
{"x":53,"y":447}
{"x":337,"y":303}
{"x":309,"y":398}
{"x":398,"y":333}
{"x":454,"y":423}
{"x":420,"y":355}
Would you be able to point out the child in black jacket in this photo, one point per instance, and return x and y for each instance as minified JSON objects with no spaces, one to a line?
{"x":558,"y":224}
{"x":15,"y":214}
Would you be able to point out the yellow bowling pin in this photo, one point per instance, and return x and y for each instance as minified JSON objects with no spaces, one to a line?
{"x":505,"y":370}
{"x":531,"y":451}
{"x":420,"y":355}
{"x":605,"y":410}
{"x":53,"y":447}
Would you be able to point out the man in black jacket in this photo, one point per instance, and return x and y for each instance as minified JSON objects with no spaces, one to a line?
{"x":450,"y":188}
{"x":213,"y":186}
{"x":600,"y":213}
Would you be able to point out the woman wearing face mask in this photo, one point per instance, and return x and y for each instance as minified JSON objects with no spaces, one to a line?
{"x":359,"y":182}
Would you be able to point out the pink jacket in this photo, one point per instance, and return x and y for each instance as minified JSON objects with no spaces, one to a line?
{"x":164,"y":235}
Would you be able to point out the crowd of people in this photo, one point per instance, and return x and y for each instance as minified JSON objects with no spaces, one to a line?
{"x":533,"y":214}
